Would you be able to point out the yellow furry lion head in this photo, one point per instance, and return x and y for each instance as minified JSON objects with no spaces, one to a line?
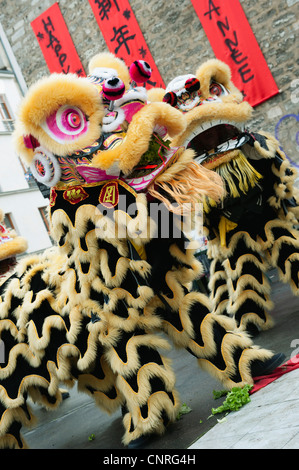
{"x":214,"y":110}
{"x":73,"y":130}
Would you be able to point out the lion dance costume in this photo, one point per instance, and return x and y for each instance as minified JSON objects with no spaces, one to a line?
{"x":90,"y":307}
{"x":253,"y":228}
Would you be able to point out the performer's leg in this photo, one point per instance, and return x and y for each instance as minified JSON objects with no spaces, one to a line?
{"x":227,"y":354}
{"x":42,"y":349}
{"x":95,"y":376}
{"x":248,"y":286}
{"x":145,"y":380}
{"x":284,"y":253}
{"x":24,"y":374}
{"x":218,"y":288}
{"x":29,"y":372}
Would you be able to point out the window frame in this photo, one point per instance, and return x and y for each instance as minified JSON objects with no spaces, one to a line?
{"x":6,"y":116}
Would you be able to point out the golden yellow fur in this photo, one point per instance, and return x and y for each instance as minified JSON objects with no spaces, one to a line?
{"x":139,"y":134}
{"x":232,"y":108}
{"x":90,"y":298}
{"x":230,"y":111}
{"x":43,"y":99}
{"x":186,"y":182}
{"x":218,"y":71}
{"x":108,"y":60}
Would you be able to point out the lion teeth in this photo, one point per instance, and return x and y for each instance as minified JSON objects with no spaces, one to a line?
{"x":204,"y":126}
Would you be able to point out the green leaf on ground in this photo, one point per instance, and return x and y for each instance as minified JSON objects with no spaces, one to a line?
{"x":235,"y":399}
{"x":219,"y":393}
{"x":185,"y":409}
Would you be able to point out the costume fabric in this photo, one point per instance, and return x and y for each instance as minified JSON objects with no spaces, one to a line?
{"x":255,"y":226}
{"x":90,"y":310}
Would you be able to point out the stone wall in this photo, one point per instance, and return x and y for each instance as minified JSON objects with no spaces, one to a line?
{"x":178,"y":44}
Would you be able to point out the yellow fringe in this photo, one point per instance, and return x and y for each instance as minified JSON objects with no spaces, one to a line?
{"x":238,"y":175}
{"x":187,"y":188}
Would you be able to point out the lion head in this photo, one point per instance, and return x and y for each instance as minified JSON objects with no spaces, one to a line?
{"x":72,"y":130}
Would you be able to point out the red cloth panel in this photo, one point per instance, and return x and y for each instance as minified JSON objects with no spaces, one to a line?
{"x":233,"y":42}
{"x":123,"y":36}
{"x":56,"y":43}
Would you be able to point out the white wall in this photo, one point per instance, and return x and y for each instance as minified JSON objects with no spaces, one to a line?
{"x":16,"y":197}
{"x":24,"y":208}
{"x":11,"y":171}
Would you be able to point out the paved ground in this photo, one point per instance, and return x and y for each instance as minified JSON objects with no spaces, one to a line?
{"x":70,"y":426}
{"x":269,"y":421}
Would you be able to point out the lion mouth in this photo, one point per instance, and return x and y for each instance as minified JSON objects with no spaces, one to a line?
{"x":141,"y":177}
{"x":79,"y":168}
{"x":157,"y":159}
{"x":216,"y":137}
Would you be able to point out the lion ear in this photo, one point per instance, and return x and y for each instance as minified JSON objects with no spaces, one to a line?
{"x":218,"y":71}
{"x":156,"y":95}
{"x":213,"y":69}
{"x":107,"y":60}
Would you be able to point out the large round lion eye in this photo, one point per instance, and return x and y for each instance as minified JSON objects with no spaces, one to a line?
{"x":73,"y":119}
{"x":67,"y":123}
{"x":217,"y":89}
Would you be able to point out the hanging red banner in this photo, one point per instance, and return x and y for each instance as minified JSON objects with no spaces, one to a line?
{"x":123,"y":36}
{"x":233,"y":42}
{"x":56,"y":43}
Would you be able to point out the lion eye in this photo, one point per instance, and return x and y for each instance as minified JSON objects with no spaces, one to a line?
{"x":67,"y":123}
{"x":217,"y":89}
{"x":73,"y":119}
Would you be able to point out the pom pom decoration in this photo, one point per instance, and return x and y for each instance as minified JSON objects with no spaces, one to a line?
{"x":140,"y":72}
{"x":192,"y":84}
{"x":170,"y":98}
{"x":113,"y":89}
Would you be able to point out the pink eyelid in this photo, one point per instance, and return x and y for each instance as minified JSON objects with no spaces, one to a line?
{"x":67,"y":123}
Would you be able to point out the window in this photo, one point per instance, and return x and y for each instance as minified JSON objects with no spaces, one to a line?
{"x":8,"y":221}
{"x":6,"y":121}
{"x":44,"y":215}
{"x":28,"y":175}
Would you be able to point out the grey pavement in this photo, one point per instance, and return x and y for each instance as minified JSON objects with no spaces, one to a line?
{"x":270,"y":420}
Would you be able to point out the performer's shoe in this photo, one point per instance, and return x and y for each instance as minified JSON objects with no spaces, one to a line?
{"x":139,"y":442}
{"x":260,"y":368}
{"x":64,"y":393}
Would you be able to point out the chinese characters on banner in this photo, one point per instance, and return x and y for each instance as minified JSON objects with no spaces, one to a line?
{"x":122,"y":34}
{"x":233,"y":42}
{"x":56,"y":43}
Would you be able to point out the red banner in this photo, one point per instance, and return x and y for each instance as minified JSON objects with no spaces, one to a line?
{"x":56,"y":43}
{"x":233,"y":42}
{"x":123,"y":36}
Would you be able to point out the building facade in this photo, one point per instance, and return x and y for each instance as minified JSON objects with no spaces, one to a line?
{"x":21,"y":201}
